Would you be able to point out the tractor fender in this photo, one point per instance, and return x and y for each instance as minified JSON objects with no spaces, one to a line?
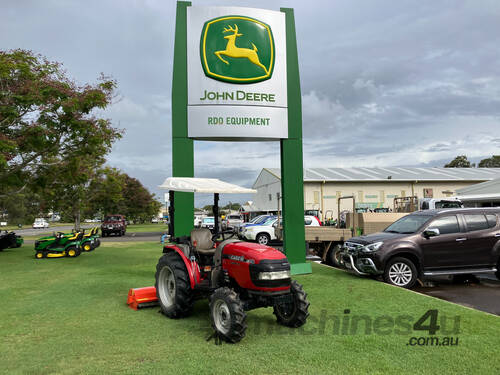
{"x":192,"y":267}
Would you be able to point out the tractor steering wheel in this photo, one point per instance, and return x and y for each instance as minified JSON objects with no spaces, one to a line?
{"x":222,"y":233}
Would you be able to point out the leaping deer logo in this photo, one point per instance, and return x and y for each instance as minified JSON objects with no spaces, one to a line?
{"x":237,"y":52}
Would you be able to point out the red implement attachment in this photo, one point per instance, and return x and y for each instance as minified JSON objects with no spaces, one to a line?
{"x":142,"y":297}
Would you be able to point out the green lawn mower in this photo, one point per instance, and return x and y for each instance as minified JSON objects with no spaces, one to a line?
{"x":59,"y":245}
{"x":10,"y":240}
{"x":91,"y":240}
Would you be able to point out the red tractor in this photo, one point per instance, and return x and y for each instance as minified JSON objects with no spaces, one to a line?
{"x":235,"y":276}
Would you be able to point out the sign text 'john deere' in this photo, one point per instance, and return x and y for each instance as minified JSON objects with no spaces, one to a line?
{"x":236,"y":74}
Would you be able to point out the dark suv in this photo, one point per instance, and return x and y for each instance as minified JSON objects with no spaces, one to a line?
{"x":114,"y":224}
{"x":428,"y":243}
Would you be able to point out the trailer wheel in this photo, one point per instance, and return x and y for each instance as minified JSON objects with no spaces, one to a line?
{"x":293,"y":314}
{"x":172,"y":286}
{"x":332,"y":258}
{"x":227,"y":315}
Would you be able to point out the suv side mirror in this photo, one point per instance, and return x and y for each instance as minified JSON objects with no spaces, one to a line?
{"x":431,"y":232}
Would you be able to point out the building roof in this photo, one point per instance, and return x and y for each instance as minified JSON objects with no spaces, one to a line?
{"x":488,"y":187}
{"x":395,"y":174}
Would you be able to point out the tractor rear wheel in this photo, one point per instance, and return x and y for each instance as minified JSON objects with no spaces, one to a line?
{"x":227,"y":315}
{"x":173,"y":288}
{"x":293,"y":314}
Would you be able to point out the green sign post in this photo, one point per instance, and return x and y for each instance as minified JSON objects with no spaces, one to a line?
{"x":255,"y":47}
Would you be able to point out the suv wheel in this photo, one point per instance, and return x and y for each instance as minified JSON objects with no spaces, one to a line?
{"x":263,"y":238}
{"x":400,"y":272}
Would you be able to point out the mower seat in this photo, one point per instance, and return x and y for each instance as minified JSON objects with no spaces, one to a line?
{"x":201,"y":239}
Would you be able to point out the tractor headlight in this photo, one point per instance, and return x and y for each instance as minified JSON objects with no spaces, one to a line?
{"x":276,"y":275}
{"x":372,"y":247}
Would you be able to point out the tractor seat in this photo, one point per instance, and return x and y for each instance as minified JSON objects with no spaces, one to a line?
{"x":201,"y":239}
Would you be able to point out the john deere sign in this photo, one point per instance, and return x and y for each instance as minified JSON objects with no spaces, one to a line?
{"x":236,"y":74}
{"x":236,"y":78}
{"x":237,"y":49}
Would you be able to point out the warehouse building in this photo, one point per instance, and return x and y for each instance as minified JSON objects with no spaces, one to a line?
{"x":485,"y":194}
{"x":371,"y":187}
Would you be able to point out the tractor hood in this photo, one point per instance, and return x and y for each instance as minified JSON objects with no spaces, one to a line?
{"x":251,"y":252}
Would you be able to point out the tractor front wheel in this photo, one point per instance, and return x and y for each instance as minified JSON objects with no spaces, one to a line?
{"x":227,"y":315}
{"x":87,"y":246}
{"x":39,"y":255}
{"x":172,"y":286}
{"x":293,"y":314}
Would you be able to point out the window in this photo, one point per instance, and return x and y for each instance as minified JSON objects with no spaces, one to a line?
{"x":308,"y":221}
{"x":407,"y":224}
{"x":476,"y":222}
{"x":428,"y":193}
{"x":382,"y":196}
{"x":270,"y":197}
{"x":403,"y":193}
{"x":425,"y":205}
{"x":446,"y":224}
{"x":492,"y":220}
{"x":360,"y":196}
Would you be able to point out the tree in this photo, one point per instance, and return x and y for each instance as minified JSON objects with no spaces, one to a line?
{"x":459,"y":162}
{"x":48,"y":122}
{"x":493,"y":162}
{"x":114,"y":192}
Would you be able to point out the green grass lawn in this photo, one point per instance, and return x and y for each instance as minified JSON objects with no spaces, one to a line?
{"x":137,"y":228}
{"x":69,"y":315}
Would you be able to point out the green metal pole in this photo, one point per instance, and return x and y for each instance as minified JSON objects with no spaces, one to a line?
{"x":182,"y":146}
{"x":292,"y":179}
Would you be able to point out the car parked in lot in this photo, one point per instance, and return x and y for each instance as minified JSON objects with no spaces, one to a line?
{"x":208,"y":222}
{"x":40,"y":223}
{"x":256,"y":220}
{"x":114,"y":224}
{"x":265,"y":231}
{"x":428,"y":243}
{"x":233,"y":221}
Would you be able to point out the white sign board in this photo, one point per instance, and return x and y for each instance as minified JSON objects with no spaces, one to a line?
{"x":237,"y":86}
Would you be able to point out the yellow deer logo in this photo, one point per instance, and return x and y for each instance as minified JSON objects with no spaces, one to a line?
{"x":233,"y":51}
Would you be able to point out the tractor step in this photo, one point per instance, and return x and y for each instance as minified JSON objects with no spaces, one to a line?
{"x":139,"y":298}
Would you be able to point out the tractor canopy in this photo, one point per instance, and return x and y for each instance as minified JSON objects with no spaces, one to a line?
{"x":203,"y":185}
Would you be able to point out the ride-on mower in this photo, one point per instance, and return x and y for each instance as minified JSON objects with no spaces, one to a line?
{"x":9,"y":240}
{"x":59,"y":245}
{"x":235,"y":276}
{"x":90,"y":240}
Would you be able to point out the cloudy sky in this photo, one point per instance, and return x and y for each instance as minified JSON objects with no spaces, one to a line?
{"x":384,"y":83}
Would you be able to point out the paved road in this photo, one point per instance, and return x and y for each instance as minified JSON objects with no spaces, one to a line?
{"x":480,"y":292}
{"x":50,"y":230}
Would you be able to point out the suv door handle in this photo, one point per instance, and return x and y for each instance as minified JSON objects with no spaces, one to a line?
{"x":461,"y":239}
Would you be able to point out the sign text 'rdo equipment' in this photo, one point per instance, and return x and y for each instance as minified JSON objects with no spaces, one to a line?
{"x":236,"y":78}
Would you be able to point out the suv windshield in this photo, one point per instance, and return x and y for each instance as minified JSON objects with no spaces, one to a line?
{"x":269,"y":221}
{"x":113,"y":218}
{"x":448,"y":204}
{"x":408,"y":224}
{"x":208,"y":220}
